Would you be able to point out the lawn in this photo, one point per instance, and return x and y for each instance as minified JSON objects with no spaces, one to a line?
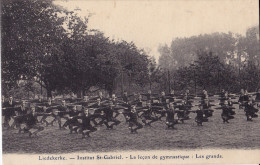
{"x":238,"y":134}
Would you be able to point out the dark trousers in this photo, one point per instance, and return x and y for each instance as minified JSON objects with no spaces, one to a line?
{"x":135,"y":123}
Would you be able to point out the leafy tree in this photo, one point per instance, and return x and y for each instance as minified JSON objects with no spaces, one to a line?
{"x":183,"y":51}
{"x":32,"y":33}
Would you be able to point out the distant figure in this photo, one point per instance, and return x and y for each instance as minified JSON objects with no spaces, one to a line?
{"x":227,"y":112}
{"x":170,"y":116}
{"x":200,"y":116}
{"x":250,"y":111}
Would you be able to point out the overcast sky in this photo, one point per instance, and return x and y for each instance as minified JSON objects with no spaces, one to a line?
{"x":151,"y":23}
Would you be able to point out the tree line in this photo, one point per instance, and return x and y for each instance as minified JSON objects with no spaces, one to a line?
{"x":45,"y":44}
{"x":213,"y":62}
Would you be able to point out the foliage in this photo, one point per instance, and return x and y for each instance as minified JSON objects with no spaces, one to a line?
{"x":54,"y":47}
{"x":214,"y":61}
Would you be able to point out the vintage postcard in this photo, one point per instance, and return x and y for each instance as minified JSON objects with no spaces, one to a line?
{"x":130,"y":82}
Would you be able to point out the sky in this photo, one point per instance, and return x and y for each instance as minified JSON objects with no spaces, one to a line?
{"x":150,"y":23}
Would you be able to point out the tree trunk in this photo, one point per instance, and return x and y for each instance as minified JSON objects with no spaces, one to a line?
{"x":49,"y":94}
{"x":110,"y":92}
{"x":79,"y":94}
{"x":84,"y":92}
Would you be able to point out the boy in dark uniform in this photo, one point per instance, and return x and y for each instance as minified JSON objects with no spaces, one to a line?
{"x":204,"y":95}
{"x":31,"y":122}
{"x":20,"y":117}
{"x":222,"y":93}
{"x":199,"y":119}
{"x":184,"y":112}
{"x":138,"y":102}
{"x":227,"y":112}
{"x":188,"y":96}
{"x":125,"y":97}
{"x":62,"y":110}
{"x":223,"y":98}
{"x":163,"y":98}
{"x":171,"y":96}
{"x":85,"y":102}
{"x":97,"y":107}
{"x":149,"y":96}
{"x":109,"y":111}
{"x":8,"y":111}
{"x":116,"y":102}
{"x":170,"y":119}
{"x":85,"y":127}
{"x":257,"y":98}
{"x":3,"y":100}
{"x":163,"y":103}
{"x":72,"y":121}
{"x":243,"y":98}
{"x":47,"y":109}
{"x":250,"y":111}
{"x":100,"y":96}
{"x":133,"y":120}
{"x":207,"y":108}
{"x":148,"y":114}
{"x":230,"y":104}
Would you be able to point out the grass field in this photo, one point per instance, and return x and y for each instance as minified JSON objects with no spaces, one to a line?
{"x":238,"y":134}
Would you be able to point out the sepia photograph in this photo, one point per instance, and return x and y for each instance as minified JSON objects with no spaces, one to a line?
{"x":136,"y":82}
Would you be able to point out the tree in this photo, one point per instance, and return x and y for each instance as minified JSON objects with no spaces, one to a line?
{"x":32,"y":34}
{"x":183,"y":51}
